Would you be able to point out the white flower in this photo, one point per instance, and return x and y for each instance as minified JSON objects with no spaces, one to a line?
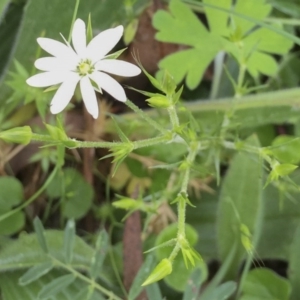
{"x":83,"y":64}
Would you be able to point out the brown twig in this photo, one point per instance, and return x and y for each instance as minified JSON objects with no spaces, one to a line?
{"x":132,"y":248}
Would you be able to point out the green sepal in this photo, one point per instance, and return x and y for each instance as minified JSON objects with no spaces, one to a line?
{"x":167,"y":83}
{"x":115,"y":54}
{"x":148,"y":94}
{"x":190,"y":255}
{"x":89,"y":30}
{"x":152,"y":79}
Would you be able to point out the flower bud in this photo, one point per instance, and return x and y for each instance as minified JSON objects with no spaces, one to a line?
{"x":159,"y":101}
{"x":163,"y":269}
{"x":127,"y":203}
{"x":18,"y":135}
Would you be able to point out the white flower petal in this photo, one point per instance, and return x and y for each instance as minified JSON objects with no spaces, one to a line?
{"x":89,"y":96}
{"x":48,"y":78}
{"x":101,"y":44}
{"x":79,"y":37}
{"x":64,"y":93}
{"x":54,"y":64}
{"x":118,"y":67}
{"x":57,"y":49}
{"x":110,"y":85}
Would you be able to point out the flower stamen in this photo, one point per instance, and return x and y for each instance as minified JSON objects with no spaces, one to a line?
{"x":85,"y":67}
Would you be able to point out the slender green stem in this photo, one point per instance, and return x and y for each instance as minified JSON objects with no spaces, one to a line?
{"x":244,"y":273}
{"x":33,"y":197}
{"x":241,"y":78}
{"x":77,"y":144}
{"x":287,"y":21}
{"x":218,"y":70}
{"x":43,"y":138}
{"x":174,"y":252}
{"x":73,"y":19}
{"x":151,"y":141}
{"x":181,"y":206}
{"x":146,"y":117}
{"x":87,"y":144}
{"x":194,"y":147}
{"x":184,"y":187}
{"x":173,"y":117}
{"x":114,"y":264}
{"x":243,"y":147}
{"x":84,"y":278}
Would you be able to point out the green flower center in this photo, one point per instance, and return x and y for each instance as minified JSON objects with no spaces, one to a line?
{"x":85,"y":67}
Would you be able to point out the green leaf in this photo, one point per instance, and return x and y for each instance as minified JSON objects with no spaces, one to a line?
{"x":266,"y":40}
{"x":258,"y":10}
{"x":56,"y":285}
{"x":176,"y":27}
{"x":190,"y":57}
{"x":145,"y":270}
{"x":69,"y":239}
{"x":294,"y":266}
{"x":225,"y":290}
{"x":13,"y":223}
{"x":183,"y":22}
{"x":282,"y":216}
{"x":75,"y":191}
{"x":11,"y":195}
{"x":99,"y":254}
{"x":11,"y":290}
{"x":227,"y":32}
{"x":11,"y":258}
{"x":11,"y":192}
{"x":285,"y":148}
{"x":3,"y":6}
{"x":264,"y":284}
{"x":153,"y":292}
{"x":218,"y":20}
{"x":35,"y":273}
{"x":213,"y":286}
{"x":261,"y":63}
{"x":10,"y":20}
{"x":240,"y":203}
{"x":194,"y":283}
{"x":39,"y":230}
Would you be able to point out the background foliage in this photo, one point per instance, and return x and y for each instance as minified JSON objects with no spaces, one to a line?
{"x":245,"y":223}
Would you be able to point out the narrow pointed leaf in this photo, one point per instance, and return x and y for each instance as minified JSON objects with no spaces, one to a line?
{"x":35,"y":273}
{"x":153,"y":292}
{"x":99,"y":254}
{"x":193,"y":285}
{"x":141,"y":276}
{"x":69,"y":239}
{"x":55,"y":286}
{"x":225,"y":290}
{"x":39,"y":230}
